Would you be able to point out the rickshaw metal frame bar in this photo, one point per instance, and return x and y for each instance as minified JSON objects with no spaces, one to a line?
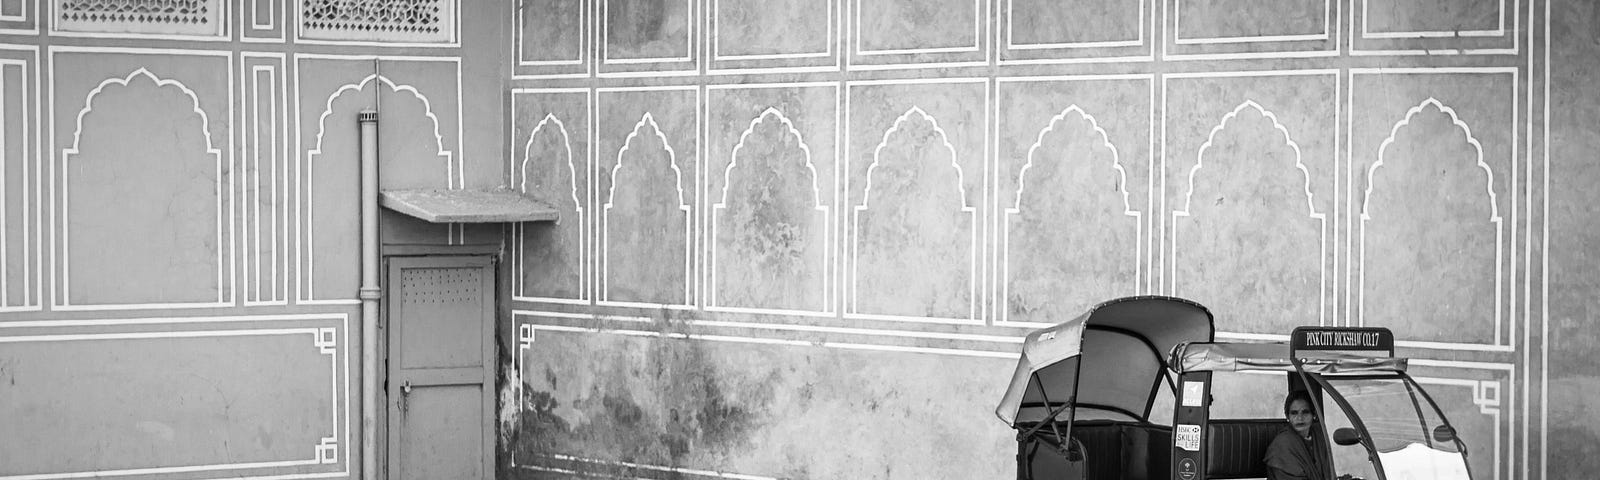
{"x":1459,"y":443}
{"x":1150,"y":402}
{"x":1050,"y":416}
{"x":1109,"y":408}
{"x":1422,"y":423}
{"x":1361,"y":427}
{"x":1316,"y":404}
{"x":1065,"y":441}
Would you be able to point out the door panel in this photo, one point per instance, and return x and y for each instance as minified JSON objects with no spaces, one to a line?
{"x":436,"y":303}
{"x":438,"y":424}
{"x":440,"y":377}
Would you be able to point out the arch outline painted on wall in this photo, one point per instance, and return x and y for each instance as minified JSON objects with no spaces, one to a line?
{"x":1016,"y":208}
{"x":225,"y":296}
{"x":1494,"y":217}
{"x":1311,"y":209}
{"x":866,"y":195}
{"x":688,"y":228}
{"x":583,"y":233}
{"x":816,"y":194}
{"x":306,"y":290}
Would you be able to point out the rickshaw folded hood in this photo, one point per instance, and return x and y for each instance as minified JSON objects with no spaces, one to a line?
{"x":1041,"y":349}
{"x":1131,"y":333}
{"x":1229,"y":357}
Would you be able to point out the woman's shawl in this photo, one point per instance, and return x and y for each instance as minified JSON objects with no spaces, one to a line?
{"x":1290,"y":458}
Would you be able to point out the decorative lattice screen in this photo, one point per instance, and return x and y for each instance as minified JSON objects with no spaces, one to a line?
{"x":173,"y":17}
{"x":405,"y":21}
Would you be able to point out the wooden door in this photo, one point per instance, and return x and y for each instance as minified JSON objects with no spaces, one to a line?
{"x":440,"y":367}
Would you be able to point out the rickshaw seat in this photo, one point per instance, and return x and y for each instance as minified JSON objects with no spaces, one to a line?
{"x":1115,"y":450}
{"x":1235,"y":447}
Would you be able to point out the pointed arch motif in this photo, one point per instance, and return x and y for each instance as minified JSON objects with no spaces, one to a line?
{"x":1299,"y":164}
{"x":225,"y":288}
{"x":307,"y":209}
{"x":647,"y":120}
{"x":965,"y":208}
{"x":1494,"y":211}
{"x":1015,"y":209}
{"x":823,"y":211}
{"x":559,"y":127}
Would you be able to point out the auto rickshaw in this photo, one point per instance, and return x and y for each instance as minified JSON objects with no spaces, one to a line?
{"x":1090,"y":397}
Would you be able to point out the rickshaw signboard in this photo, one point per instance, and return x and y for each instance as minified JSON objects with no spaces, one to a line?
{"x":1342,"y":339}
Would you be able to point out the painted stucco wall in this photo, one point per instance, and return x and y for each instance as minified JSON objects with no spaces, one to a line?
{"x":799,"y":239}
{"x":178,"y":252}
{"x":803,"y":239}
{"x":1573,"y":300}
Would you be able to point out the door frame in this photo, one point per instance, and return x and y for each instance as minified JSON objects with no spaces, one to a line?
{"x":501,"y":309}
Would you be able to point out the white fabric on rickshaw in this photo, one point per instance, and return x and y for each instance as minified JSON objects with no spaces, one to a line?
{"x":1232,"y":357}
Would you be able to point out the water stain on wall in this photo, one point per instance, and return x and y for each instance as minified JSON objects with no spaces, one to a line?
{"x":669,"y":405}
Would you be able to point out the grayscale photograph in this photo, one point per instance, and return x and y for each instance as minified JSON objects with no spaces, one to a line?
{"x":800,"y":239}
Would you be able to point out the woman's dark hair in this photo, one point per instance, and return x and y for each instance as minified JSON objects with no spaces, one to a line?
{"x":1296,"y":395}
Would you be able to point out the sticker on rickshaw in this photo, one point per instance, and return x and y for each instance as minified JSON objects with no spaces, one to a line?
{"x":1187,"y":437}
{"x":1186,"y":469}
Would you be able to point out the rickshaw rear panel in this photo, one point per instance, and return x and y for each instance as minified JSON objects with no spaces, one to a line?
{"x":1110,"y":450}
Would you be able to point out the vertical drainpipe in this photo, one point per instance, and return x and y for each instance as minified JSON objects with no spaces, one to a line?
{"x":370,"y":294}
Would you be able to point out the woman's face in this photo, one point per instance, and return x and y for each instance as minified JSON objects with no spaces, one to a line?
{"x":1301,"y":417}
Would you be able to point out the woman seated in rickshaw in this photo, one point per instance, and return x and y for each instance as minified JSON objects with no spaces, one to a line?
{"x":1293,"y":453}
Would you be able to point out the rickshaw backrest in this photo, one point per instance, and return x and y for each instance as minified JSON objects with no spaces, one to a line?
{"x":1235,"y":447}
{"x":1123,"y":450}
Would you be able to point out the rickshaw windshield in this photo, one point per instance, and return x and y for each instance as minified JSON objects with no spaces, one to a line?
{"x":1402,"y":425}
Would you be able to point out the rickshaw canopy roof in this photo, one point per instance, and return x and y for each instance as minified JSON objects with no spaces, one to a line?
{"x":1121,"y":345}
{"x":1230,"y":357}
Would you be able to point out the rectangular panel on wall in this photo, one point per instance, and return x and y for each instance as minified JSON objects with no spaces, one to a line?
{"x":1481,"y":401}
{"x":900,"y":33}
{"x":554,"y":37}
{"x":649,"y":38}
{"x":772,"y":198}
{"x":408,"y":22}
{"x":916,"y":204}
{"x":141,"y":223}
{"x":1072,"y":196}
{"x":775,"y":35}
{"x":552,"y":160}
{"x":1438,"y":26}
{"x":234,"y":396}
{"x":1054,"y":31}
{"x":264,"y":20}
{"x":1249,"y":171}
{"x":648,"y":173}
{"x":1209,"y":29}
{"x":20,"y":208}
{"x":330,"y":92}
{"x":1436,"y":189}
{"x":20,"y":16}
{"x":265,"y":181}
{"x":750,"y":392}
{"x":188,"y":18}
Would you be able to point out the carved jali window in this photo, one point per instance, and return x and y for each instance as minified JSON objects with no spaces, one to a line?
{"x":166,"y":17}
{"x":400,"y":21}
